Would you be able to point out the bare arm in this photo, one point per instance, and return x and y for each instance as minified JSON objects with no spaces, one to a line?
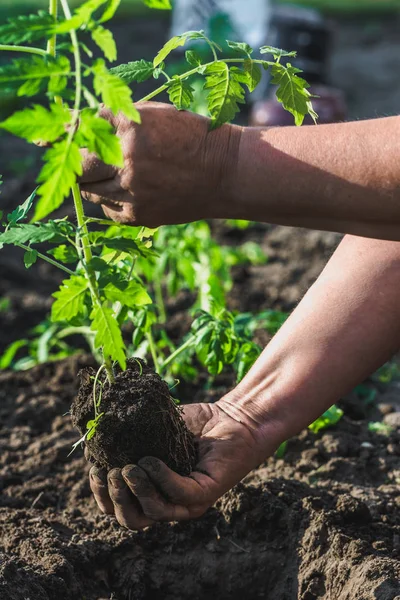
{"x":343,"y":177}
{"x":347,"y":325}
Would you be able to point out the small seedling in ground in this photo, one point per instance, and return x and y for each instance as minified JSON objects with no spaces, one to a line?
{"x":102,"y":287}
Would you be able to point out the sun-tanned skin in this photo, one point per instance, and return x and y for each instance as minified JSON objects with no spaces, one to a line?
{"x":343,"y":178}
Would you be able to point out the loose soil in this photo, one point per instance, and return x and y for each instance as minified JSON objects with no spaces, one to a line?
{"x":323,"y":522}
{"x":139,"y":418}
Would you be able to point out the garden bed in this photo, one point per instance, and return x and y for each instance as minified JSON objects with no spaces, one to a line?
{"x":324,"y":522}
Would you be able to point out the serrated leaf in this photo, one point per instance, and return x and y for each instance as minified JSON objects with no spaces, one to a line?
{"x":277,"y":53}
{"x":65,"y":254}
{"x":70,"y":299}
{"x":21,"y":211}
{"x":292,"y":92}
{"x":138,"y":70}
{"x":27,"y":28}
{"x":180,"y":94}
{"x":225,"y":92}
{"x":193,"y":58}
{"x":28,"y":232}
{"x":97,"y":135}
{"x":115,"y":94}
{"x":33,"y":72}
{"x":253,"y":72}
{"x":38,"y":123}
{"x":63,"y":165}
{"x":175,"y":42}
{"x":240,"y":47}
{"x":105,"y":41}
{"x":108,"y":334}
{"x":133,"y":295}
{"x":158,"y":4}
{"x":30,"y":257}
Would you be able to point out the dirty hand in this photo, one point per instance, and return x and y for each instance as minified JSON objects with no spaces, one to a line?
{"x":142,"y":494}
{"x":176,"y":169}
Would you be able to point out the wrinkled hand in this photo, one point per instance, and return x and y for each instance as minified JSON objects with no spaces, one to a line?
{"x":176,"y":169}
{"x":142,"y":494}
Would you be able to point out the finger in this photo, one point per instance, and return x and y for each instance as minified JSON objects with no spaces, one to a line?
{"x":152,"y":502}
{"x":98,"y":485}
{"x":95,"y":169}
{"x":180,"y":490}
{"x":126,"y":507}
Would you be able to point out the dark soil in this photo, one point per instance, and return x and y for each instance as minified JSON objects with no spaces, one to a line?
{"x":140,"y":419}
{"x":323,"y":523}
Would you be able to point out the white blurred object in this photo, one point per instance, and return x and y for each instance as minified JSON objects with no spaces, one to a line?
{"x":249,"y":19}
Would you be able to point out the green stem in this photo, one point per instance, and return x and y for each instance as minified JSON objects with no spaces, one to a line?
{"x":109,"y":369}
{"x":177,"y":352}
{"x":47,"y":259}
{"x":51,"y":44}
{"x":150,"y":339}
{"x":26,"y":49}
{"x":80,"y":217}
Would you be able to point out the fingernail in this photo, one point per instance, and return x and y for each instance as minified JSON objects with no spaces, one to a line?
{"x":98,"y":477}
{"x":117,"y":483}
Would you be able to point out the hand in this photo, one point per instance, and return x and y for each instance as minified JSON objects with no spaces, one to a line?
{"x":139,"y":495}
{"x":176,"y":169}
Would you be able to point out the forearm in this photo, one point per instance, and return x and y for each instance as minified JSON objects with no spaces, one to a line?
{"x":343,"y":177}
{"x":347,"y":325}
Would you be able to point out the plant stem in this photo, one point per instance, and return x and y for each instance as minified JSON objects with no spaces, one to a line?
{"x":109,"y":369}
{"x":51,"y":44}
{"x":177,"y":352}
{"x":150,"y":339}
{"x":47,"y":259}
{"x":80,"y":217}
{"x":26,"y":49}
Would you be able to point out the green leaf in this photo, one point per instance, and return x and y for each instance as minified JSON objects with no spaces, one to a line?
{"x":133,"y":295}
{"x":225,"y":92}
{"x":381,"y":428}
{"x":7,"y":358}
{"x":159,"y":4}
{"x":30,"y":257}
{"x":111,"y":9}
{"x":108,"y":335}
{"x":240,"y":47}
{"x":21,"y":211}
{"x":115,"y":94}
{"x":27,"y":28}
{"x":180,"y":94}
{"x":97,"y":135}
{"x":277,"y":52}
{"x":292,"y":92}
{"x":65,"y":254}
{"x":28,"y":232}
{"x":98,"y":264}
{"x":70,"y":299}
{"x":193,"y":58}
{"x":81,"y":16}
{"x":138,"y":70}
{"x":253,"y":73}
{"x":33,"y":72}
{"x":105,"y":41}
{"x":63,"y":165}
{"x":328,"y":419}
{"x":38,"y":123}
{"x":175,"y":42}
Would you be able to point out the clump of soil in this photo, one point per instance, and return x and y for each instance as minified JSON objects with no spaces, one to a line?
{"x":140,"y":419}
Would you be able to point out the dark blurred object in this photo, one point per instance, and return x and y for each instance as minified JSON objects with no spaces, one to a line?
{"x":307,"y":32}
